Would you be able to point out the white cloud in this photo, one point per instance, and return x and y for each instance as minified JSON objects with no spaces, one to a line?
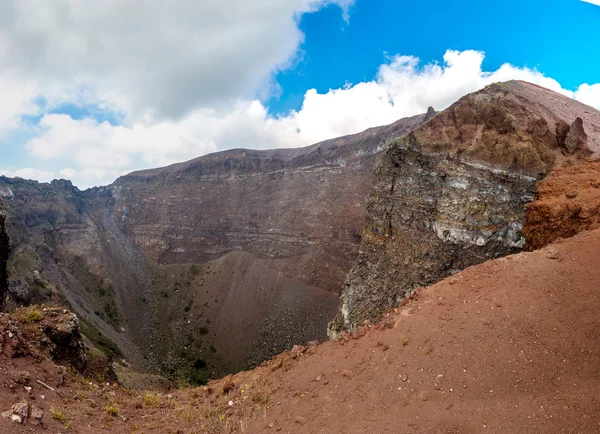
{"x":152,"y":57}
{"x":28,"y":173}
{"x":589,"y":95}
{"x":402,"y":88}
{"x":17,"y":98}
{"x":186,"y":78}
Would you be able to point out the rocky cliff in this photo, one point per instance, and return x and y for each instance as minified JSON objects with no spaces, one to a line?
{"x":452,"y":193}
{"x":565,"y":203}
{"x":203,"y":267}
{"x":4,"y":251}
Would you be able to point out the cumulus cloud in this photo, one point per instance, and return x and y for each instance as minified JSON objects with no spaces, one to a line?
{"x":153,"y":57}
{"x":589,"y":95}
{"x":18,"y":97}
{"x":29,"y":173}
{"x":403,"y":87}
{"x":187,"y":78}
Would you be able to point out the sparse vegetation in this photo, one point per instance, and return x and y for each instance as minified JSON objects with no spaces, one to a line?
{"x":104,"y":344}
{"x":110,"y":309}
{"x":112,"y":410}
{"x":150,"y":399}
{"x":194,"y":270}
{"x":59,"y":415}
{"x":29,"y":314}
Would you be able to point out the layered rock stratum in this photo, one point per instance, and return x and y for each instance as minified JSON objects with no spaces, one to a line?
{"x":207,"y":266}
{"x":452,"y":193}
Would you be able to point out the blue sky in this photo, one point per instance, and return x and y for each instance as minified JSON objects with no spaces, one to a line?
{"x":559,"y":37}
{"x":88,"y":104}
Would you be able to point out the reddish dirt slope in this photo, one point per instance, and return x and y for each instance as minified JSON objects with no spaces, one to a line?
{"x":566,"y":203}
{"x":507,"y":346}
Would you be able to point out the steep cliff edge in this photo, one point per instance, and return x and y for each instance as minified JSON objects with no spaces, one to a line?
{"x":452,"y":193}
{"x":4,"y":251}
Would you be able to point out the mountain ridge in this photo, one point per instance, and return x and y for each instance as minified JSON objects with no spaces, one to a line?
{"x":194,"y":264}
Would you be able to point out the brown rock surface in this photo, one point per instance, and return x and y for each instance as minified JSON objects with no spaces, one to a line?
{"x":565,"y":203}
{"x":217,"y":263}
{"x":452,"y":193}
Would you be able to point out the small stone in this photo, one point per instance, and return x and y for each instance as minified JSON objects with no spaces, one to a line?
{"x":230,"y":403}
{"x":272,"y":424}
{"x":20,"y":412}
{"x":571,"y":194}
{"x":319,"y":378}
{"x":552,"y":253}
{"x":27,"y":389}
{"x":347,"y":373}
{"x":424,"y":396}
{"x":228,"y":387}
{"x":37,"y":414}
{"x":300,"y":420}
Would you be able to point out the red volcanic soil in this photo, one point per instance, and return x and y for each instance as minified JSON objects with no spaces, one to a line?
{"x":507,"y":346}
{"x":511,"y":345}
{"x":566,"y":202}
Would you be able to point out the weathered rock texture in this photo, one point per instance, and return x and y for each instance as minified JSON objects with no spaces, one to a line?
{"x":565,"y":203}
{"x":206,"y":266}
{"x":4,"y":251}
{"x":452,"y":193}
{"x":48,"y":332}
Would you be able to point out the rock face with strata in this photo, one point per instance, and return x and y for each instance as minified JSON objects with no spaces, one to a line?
{"x":207,"y":266}
{"x":452,"y":193}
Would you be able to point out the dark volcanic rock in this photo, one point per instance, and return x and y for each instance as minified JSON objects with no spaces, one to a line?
{"x":4,"y":251}
{"x":452,"y":193}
